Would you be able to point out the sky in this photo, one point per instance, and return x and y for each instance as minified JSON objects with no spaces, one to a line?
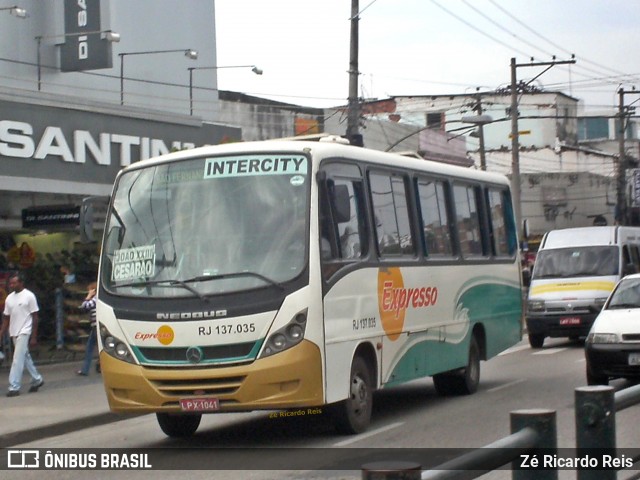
{"x":428,"y":47}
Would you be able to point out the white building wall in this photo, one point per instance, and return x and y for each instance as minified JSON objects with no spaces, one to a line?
{"x":377,"y":131}
{"x":546,"y":117}
{"x":560,"y":189}
{"x":564,"y":200}
{"x":157,"y":81}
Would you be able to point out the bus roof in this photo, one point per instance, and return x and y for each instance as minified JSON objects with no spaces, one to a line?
{"x":327,"y":150}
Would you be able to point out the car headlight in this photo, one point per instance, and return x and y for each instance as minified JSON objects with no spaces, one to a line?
{"x":602,"y":338}
{"x":535,"y":305}
{"x":114,"y":346}
{"x":286,"y":337}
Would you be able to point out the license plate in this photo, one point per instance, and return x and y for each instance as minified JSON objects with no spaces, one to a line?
{"x":570,"y":321}
{"x":199,"y":404}
{"x":634,"y":359}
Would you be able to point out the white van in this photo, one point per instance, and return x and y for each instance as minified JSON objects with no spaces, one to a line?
{"x":574,"y":273}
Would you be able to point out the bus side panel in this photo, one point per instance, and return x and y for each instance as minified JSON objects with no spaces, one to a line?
{"x":422,"y":316}
{"x":489,"y":303}
{"x":350,"y":319}
{"x":497,"y":307}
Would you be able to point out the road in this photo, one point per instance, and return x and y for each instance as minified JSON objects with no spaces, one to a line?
{"x":410,"y":416}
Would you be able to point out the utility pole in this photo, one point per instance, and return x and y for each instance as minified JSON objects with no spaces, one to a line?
{"x":483,"y":157}
{"x":622,"y":213}
{"x":515,"y":144}
{"x":353,"y":113}
{"x":515,"y":147}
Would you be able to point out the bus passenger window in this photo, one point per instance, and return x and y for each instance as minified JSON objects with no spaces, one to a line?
{"x":497,"y":222}
{"x":435,"y":220}
{"x":467,"y":221}
{"x":393,"y":230}
{"x":346,"y":221}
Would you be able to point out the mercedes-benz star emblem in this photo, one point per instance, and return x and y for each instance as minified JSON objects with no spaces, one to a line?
{"x":195,"y":354}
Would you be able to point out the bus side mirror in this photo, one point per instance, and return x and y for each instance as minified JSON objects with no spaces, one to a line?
{"x":341,"y":203}
{"x":88,"y":216}
{"x":86,"y":222}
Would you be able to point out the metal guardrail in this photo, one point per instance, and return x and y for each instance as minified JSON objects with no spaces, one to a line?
{"x":595,"y":412}
{"x":595,"y":419}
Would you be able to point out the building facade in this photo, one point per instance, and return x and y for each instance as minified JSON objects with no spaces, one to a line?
{"x":568,"y":164}
{"x":87,"y":88}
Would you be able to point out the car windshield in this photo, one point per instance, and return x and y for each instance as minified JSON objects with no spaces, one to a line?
{"x":207,"y":225}
{"x":576,"y":262}
{"x":626,"y":294}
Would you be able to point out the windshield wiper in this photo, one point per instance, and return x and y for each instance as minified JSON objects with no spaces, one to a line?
{"x":220,"y":276}
{"x":623,"y":305}
{"x":167,"y":283}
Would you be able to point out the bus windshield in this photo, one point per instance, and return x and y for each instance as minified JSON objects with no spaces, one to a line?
{"x":576,"y":262}
{"x":207,"y":226}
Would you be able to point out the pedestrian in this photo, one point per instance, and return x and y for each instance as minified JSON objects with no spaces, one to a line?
{"x":20,"y":317}
{"x":89,"y":304}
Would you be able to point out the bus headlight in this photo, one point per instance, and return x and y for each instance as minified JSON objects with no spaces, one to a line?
{"x":114,"y":346}
{"x":535,"y":305}
{"x":286,"y":337}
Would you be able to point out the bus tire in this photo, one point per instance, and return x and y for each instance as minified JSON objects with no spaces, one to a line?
{"x":536,"y":340}
{"x":178,"y":426}
{"x":353,"y":415}
{"x":462,"y":382}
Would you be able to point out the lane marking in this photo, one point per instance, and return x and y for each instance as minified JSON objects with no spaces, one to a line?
{"x":515,"y":349}
{"x":550,"y":351}
{"x":582,"y":360}
{"x":506,"y":385}
{"x":368,"y":434}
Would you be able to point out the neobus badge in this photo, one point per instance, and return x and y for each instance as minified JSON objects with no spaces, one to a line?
{"x":254,"y":165}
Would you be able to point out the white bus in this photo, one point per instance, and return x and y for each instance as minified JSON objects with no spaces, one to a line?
{"x":286,"y":274}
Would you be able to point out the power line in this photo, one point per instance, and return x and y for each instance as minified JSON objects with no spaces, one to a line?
{"x":555,"y":45}
{"x":482,"y":32}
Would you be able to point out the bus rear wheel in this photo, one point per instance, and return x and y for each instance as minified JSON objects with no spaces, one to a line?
{"x":462,"y":382}
{"x":353,"y":415}
{"x":178,"y":426}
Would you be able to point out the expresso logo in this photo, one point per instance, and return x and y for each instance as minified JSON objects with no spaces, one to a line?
{"x":164,"y":335}
{"x":394,"y":300}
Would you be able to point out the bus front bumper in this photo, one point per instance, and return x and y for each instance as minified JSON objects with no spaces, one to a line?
{"x":289,"y":379}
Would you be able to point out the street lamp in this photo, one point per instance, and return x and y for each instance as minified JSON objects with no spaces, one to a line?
{"x":109,"y":36}
{"x":254,"y":69}
{"x":189,"y":53}
{"x":480,"y":121}
{"x":16,"y":11}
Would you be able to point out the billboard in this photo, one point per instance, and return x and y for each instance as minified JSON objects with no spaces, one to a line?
{"x":84,"y":47}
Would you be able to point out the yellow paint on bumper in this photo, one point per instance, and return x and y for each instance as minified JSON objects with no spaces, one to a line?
{"x":289,"y":379}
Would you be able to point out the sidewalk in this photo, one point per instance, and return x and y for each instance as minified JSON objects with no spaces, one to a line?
{"x":65,"y":403}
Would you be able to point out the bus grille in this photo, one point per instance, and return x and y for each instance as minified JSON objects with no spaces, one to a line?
{"x":212,"y":354}
{"x":198,"y":386}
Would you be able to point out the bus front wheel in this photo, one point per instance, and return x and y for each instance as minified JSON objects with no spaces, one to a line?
{"x":354,"y":414}
{"x":178,"y":426}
